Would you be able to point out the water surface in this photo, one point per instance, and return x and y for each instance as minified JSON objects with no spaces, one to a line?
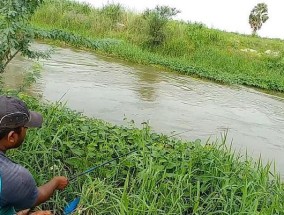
{"x":111,"y":90}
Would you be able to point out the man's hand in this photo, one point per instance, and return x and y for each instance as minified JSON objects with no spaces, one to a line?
{"x":42,"y":213}
{"x":26,"y":212}
{"x":61,"y":182}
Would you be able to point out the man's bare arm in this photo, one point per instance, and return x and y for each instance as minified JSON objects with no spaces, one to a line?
{"x":26,"y":212}
{"x":46,"y":191}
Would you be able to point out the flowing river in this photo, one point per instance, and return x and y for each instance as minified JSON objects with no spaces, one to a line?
{"x":112,"y":90}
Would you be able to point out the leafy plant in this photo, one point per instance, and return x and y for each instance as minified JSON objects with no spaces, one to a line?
{"x":16,"y":32}
{"x":30,"y":77}
{"x":157,"y":19}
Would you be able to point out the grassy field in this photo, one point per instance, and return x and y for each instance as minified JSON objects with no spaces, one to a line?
{"x":164,"y":176}
{"x":189,"y":48}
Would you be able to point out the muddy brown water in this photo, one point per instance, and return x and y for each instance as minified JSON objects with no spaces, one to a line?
{"x":112,"y":90}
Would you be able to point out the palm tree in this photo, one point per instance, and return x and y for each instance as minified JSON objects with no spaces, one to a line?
{"x":258,"y":16}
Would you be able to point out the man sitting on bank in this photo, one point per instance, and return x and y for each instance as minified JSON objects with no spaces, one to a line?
{"x":18,"y":189}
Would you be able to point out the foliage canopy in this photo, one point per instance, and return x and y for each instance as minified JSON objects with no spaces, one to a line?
{"x":258,"y":16}
{"x":16,"y":33}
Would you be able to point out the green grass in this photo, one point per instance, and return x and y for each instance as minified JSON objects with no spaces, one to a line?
{"x":189,"y":48}
{"x":164,"y":176}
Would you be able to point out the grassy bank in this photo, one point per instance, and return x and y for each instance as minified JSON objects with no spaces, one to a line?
{"x":188,"y":48}
{"x":164,"y":176}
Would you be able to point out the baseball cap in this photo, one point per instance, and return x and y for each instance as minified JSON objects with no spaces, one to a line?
{"x":14,"y":113}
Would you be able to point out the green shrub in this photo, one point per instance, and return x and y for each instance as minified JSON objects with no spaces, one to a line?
{"x":157,"y":19}
{"x":113,"y":11}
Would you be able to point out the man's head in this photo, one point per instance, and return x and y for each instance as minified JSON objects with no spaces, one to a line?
{"x":15,"y":118}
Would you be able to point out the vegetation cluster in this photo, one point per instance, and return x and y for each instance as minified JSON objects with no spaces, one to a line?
{"x":154,"y":38}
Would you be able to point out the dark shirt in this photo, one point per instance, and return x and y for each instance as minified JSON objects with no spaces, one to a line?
{"x":19,"y":188}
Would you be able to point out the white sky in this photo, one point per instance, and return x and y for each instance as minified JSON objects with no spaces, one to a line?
{"x":228,"y":15}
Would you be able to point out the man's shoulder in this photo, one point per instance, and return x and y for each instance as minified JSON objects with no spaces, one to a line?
{"x":7,"y":165}
{"x":10,"y":171}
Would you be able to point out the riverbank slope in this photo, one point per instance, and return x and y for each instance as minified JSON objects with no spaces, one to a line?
{"x":162,"y":175}
{"x":188,"y":48}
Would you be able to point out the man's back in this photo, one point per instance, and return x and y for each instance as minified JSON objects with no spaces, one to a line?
{"x":18,"y":187}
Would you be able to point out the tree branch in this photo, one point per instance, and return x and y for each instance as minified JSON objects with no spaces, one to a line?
{"x":8,"y":61}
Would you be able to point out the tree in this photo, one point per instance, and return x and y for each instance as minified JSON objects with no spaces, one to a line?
{"x":157,"y":19}
{"x":16,"y":33}
{"x":258,"y":16}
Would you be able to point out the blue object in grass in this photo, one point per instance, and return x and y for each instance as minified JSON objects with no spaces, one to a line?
{"x":71,"y":206}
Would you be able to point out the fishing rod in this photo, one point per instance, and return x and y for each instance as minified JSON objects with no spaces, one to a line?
{"x":114,"y":159}
{"x":101,"y":165}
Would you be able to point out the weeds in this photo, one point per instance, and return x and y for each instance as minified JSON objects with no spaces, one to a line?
{"x":165,"y":176}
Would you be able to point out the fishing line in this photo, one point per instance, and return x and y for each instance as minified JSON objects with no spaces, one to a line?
{"x":102,"y":164}
{"x":71,"y":206}
{"x":114,"y":159}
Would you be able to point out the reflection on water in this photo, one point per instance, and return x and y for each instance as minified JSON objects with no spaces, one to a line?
{"x":146,"y":85}
{"x":109,"y":89}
